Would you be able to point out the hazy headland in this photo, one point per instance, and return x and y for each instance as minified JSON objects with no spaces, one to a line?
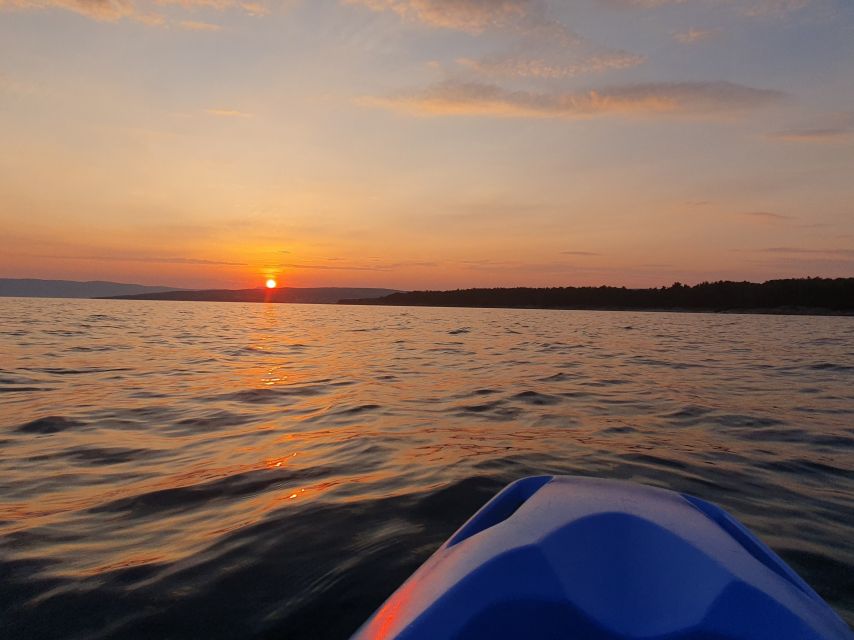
{"x":38,"y":288}
{"x":308,"y":295}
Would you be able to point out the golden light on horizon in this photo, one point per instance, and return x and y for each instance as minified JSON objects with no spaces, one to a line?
{"x":271,"y":284}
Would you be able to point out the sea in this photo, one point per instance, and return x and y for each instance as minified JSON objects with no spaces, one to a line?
{"x":229,"y":470}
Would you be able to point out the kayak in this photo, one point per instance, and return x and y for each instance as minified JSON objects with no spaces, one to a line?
{"x":560,"y":557}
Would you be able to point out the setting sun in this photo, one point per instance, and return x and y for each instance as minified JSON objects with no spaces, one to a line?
{"x":271,"y":284}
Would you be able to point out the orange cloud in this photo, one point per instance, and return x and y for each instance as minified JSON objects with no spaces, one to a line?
{"x":774,"y":7}
{"x":847,"y":253}
{"x":766,"y":216}
{"x":391,"y":266}
{"x":551,"y":66}
{"x":673,"y":98}
{"x":108,"y":10}
{"x":642,"y":4}
{"x":228,"y":113}
{"x":753,"y":8}
{"x":473,"y":16}
{"x":149,"y":259}
{"x":540,"y":46}
{"x":139,"y":10}
{"x":695,"y":35}
{"x":191,"y":25}
{"x":15,"y":86}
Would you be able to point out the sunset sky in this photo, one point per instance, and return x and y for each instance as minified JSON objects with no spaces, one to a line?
{"x":426,"y":143}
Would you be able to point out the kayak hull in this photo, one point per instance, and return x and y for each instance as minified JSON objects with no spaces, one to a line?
{"x":569,"y":557}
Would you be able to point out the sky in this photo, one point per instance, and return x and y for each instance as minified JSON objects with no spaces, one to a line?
{"x":420,"y":144}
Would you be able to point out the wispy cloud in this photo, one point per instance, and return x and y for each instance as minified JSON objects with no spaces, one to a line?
{"x":329,"y":267}
{"x":830,"y":262}
{"x":228,"y":113}
{"x":390,"y":266}
{"x":543,"y":48}
{"x":15,"y":86}
{"x":751,"y":8}
{"x":149,"y":259}
{"x":834,"y":128}
{"x":192,"y":25}
{"x":550,"y":65}
{"x":108,"y":10}
{"x":641,"y":4}
{"x":766,"y":216}
{"x":801,"y":251}
{"x":473,"y":16}
{"x":692,"y":36}
{"x":773,"y":7}
{"x":580,"y":253}
{"x":540,"y":45}
{"x":513,"y":267}
{"x":143,"y":11}
{"x":673,"y":98}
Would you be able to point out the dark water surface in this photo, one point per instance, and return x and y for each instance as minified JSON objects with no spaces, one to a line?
{"x":178,"y":470}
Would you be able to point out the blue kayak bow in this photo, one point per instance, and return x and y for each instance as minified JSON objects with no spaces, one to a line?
{"x":586,"y":559}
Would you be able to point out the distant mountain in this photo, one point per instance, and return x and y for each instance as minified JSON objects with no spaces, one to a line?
{"x":321,"y":295}
{"x":796,"y":295}
{"x":32,"y":288}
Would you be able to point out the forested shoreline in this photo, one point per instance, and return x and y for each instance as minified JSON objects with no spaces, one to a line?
{"x":833,"y":295}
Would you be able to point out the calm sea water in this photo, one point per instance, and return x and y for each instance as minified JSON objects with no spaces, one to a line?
{"x":179,"y":470}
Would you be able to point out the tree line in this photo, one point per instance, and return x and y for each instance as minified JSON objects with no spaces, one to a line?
{"x":834,"y":294}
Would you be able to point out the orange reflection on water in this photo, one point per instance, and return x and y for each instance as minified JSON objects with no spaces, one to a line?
{"x":128,"y":562}
{"x":277,"y":463}
{"x":315,"y":490}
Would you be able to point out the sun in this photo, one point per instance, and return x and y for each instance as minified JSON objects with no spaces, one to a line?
{"x":271,"y":284}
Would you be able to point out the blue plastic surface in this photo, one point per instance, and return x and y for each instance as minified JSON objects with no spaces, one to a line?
{"x":587,"y":559}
